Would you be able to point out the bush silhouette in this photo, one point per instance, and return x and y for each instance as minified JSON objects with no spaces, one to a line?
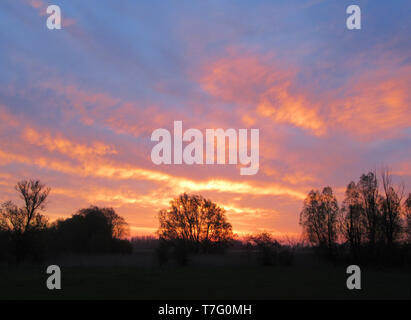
{"x":92,"y":230}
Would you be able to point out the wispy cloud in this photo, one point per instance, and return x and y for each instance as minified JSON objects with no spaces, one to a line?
{"x":77,"y":107}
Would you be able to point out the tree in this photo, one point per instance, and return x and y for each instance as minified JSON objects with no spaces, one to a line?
{"x":21,"y":220}
{"x":12,"y":218}
{"x":368,"y":189}
{"x":319,"y":218}
{"x":390,"y":207}
{"x":117,"y":226}
{"x":26,"y":225}
{"x":352,"y":218}
{"x":330,"y":208}
{"x":407,"y":209}
{"x":93,"y":229}
{"x":197,"y":222}
{"x":34,"y":195}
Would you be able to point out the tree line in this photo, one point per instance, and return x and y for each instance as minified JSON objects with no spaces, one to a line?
{"x":26,"y":234}
{"x":192,"y":224}
{"x":372,"y":225}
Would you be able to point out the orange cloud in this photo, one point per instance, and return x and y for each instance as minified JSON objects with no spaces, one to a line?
{"x":376,"y":102}
{"x":132,"y":203}
{"x":65,"y":146}
{"x":261,"y":91}
{"x":372,"y":103}
{"x":254,"y":83}
{"x":298,"y":178}
{"x":7,"y":119}
{"x":105,"y":169}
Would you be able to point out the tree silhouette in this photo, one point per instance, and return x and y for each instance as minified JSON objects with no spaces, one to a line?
{"x":407,"y":209}
{"x":34,"y":195}
{"x":319,"y":218}
{"x":26,"y":225}
{"x":12,"y":218}
{"x":20,"y":220}
{"x":390,"y":206}
{"x":352,"y":219}
{"x":368,"y":188}
{"x":26,"y":234}
{"x":92,"y":229}
{"x":197,"y":222}
{"x":370,"y":221}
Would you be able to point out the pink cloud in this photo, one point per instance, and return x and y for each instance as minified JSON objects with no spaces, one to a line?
{"x":257,"y":84}
{"x":372,"y":103}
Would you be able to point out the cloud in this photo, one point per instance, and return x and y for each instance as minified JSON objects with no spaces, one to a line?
{"x":253,"y":82}
{"x":7,"y":119}
{"x":65,"y":146}
{"x":260,"y":87}
{"x":375,"y":103}
{"x":104,"y":108}
{"x":105,"y":169}
{"x":77,"y":107}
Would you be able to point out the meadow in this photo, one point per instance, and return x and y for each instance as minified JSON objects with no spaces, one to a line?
{"x":234,"y":275}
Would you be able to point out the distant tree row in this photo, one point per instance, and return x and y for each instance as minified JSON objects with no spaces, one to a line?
{"x":25,"y":233}
{"x":192,"y":224}
{"x":373,"y":221}
{"x":373,"y":224}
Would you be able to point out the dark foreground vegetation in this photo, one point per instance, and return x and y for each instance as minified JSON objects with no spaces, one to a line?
{"x":233,"y":275}
{"x":27,"y":236}
{"x":196,"y":255}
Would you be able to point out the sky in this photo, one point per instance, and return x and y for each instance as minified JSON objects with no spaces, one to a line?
{"x":78,"y":105}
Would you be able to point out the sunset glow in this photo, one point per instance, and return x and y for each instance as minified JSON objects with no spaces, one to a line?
{"x":78,"y":105}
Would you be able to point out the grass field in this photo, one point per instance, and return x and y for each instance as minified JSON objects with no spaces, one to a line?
{"x":202,"y":282}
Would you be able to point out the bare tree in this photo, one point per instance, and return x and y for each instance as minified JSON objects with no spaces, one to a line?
{"x":390,"y":205}
{"x":20,"y":220}
{"x":34,"y":195}
{"x":319,"y":218}
{"x":407,"y":209}
{"x":330,"y":209}
{"x":311,"y":219}
{"x":196,"y":221}
{"x":368,"y":189}
{"x":12,"y":218}
{"x":352,"y":218}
